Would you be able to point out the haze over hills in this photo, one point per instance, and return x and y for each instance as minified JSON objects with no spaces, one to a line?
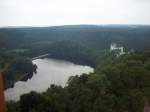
{"x":95,"y":36}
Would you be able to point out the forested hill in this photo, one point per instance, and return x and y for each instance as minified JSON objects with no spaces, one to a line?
{"x":97,"y":37}
{"x":117,"y":84}
{"x":123,"y":85}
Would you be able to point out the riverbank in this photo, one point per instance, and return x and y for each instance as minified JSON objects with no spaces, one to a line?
{"x":50,"y":71}
{"x":16,"y":69}
{"x":74,"y":60}
{"x":113,"y":87}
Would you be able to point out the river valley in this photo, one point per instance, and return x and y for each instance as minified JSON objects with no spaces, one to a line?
{"x":49,"y":71}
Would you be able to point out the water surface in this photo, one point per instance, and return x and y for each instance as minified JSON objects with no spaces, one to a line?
{"x":50,"y":71}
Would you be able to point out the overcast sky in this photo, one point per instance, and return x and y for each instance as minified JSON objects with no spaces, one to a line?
{"x":64,"y":12}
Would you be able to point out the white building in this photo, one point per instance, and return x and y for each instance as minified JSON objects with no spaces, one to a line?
{"x":120,"y":50}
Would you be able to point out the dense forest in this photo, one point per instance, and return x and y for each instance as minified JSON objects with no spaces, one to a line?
{"x":97,"y":37}
{"x":15,"y":67}
{"x":117,"y":84}
{"x":122,"y":85}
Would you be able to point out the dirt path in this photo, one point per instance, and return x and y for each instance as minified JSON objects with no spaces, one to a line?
{"x":2,"y":103}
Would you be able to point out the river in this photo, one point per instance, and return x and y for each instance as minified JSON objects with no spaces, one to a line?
{"x":50,"y":71}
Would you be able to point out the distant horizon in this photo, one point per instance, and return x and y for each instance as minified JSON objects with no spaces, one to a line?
{"x":43,"y":13}
{"x":28,"y":26}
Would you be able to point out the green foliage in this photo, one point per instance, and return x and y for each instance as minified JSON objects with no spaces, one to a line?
{"x":120,"y":86}
{"x":29,"y":101}
{"x":96,"y":37}
{"x":15,"y":67}
{"x":117,"y":85}
{"x":13,"y":107}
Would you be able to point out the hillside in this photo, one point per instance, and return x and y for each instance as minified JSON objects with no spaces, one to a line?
{"x":122,"y":85}
{"x":117,"y":85}
{"x":97,"y":37}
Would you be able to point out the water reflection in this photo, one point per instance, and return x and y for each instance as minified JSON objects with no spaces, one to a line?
{"x":50,"y":71}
